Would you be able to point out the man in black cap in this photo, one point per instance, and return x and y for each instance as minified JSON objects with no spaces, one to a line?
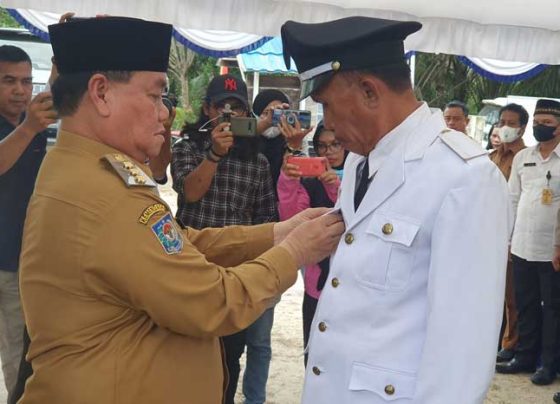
{"x":221,"y":180}
{"x":534,"y":186}
{"x":122,"y":304}
{"x":420,"y":270}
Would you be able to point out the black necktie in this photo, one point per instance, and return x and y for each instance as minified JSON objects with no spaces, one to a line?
{"x":363,"y":184}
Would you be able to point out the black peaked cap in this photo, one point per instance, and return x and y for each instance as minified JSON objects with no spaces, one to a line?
{"x":345,"y":44}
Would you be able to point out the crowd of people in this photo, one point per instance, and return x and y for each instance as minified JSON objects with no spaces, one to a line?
{"x":403,"y":238}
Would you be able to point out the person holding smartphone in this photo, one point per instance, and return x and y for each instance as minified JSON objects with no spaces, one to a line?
{"x":296,"y":193}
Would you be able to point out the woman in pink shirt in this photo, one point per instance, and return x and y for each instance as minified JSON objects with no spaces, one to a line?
{"x":296,"y":194}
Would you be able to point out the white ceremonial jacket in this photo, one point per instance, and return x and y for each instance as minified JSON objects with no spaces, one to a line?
{"x":412,"y":307}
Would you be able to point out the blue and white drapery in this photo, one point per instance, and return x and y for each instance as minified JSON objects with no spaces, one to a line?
{"x":228,"y":43}
{"x":505,"y":72}
{"x":207,"y":42}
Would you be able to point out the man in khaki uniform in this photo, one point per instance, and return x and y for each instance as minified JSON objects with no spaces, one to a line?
{"x":511,"y":126}
{"x":122,"y":305}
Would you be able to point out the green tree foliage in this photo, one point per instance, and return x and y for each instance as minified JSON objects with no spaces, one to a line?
{"x":189,"y":74}
{"x":441,"y":78}
{"x":7,"y":21}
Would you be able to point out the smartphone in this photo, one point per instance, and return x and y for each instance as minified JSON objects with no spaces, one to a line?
{"x":309,"y":166}
{"x":292,"y":115}
{"x":241,"y":126}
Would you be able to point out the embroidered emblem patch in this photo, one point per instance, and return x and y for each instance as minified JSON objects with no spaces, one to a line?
{"x":151,"y":211}
{"x":167,"y":234}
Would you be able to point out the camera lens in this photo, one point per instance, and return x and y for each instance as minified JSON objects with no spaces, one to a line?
{"x":291,"y":119}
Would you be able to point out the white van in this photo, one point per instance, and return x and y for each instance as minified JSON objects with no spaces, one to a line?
{"x":492,"y":107}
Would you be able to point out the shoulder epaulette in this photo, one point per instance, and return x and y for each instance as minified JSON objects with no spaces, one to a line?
{"x":464,"y":146}
{"x":130,"y":173}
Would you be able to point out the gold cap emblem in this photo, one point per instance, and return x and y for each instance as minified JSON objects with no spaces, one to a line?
{"x":335,"y":65}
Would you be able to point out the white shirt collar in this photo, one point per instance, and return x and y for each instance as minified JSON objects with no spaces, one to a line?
{"x":396,"y":137}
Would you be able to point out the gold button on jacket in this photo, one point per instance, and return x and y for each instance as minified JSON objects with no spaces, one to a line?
{"x":387,"y":228}
{"x":390,"y":389}
{"x":114,"y":315}
{"x":335,"y":282}
{"x":349,"y":238}
{"x":322,"y":326}
{"x":316,"y":370}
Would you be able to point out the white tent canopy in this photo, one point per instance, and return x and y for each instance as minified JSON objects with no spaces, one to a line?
{"x":509,"y":30}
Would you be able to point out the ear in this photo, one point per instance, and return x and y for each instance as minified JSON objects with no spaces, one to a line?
{"x":206,"y":108}
{"x":522,"y":129}
{"x":370,"y":89}
{"x":98,"y":87}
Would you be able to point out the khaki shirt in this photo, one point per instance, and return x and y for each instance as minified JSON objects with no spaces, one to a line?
{"x":123,"y":306}
{"x":504,"y":154}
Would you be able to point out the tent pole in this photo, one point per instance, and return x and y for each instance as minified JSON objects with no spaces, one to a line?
{"x":412,"y":63}
{"x":256,"y":84}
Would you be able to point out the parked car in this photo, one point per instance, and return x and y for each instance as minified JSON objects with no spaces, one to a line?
{"x":40,"y":53}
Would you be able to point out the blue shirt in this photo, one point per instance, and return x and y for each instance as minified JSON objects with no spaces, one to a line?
{"x":16,"y":187}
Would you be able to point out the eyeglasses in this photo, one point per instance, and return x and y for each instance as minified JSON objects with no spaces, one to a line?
{"x":323,"y":148}
{"x":236,"y":107}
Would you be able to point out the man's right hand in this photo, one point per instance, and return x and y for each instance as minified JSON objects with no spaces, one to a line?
{"x":315,"y":239}
{"x":222,"y":139}
{"x":40,"y":113}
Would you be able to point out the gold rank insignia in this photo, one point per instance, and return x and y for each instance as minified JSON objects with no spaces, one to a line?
{"x":130,"y":173}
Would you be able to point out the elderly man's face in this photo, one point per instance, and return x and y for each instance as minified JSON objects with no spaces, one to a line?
{"x":455,"y":119}
{"x":345,"y":114}
{"x":138,"y":113}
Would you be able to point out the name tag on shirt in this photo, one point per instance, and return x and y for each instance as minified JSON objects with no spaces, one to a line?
{"x":546,"y":196}
{"x":530,"y":165}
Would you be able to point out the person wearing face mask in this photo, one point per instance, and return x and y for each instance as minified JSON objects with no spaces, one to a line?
{"x":273,"y":144}
{"x":510,"y":128}
{"x":535,"y":194}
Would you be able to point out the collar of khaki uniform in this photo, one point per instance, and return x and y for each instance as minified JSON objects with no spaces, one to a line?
{"x":130,"y":171}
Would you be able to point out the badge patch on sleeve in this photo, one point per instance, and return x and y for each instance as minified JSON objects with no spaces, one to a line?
{"x":168,"y":235}
{"x":151,"y":211}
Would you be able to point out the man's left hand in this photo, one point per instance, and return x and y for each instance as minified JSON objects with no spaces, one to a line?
{"x":282,"y":229}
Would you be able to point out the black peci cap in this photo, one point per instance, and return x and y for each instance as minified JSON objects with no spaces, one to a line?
{"x":320,"y":50}
{"x":545,"y":106}
{"x":110,"y":43}
{"x":226,"y":86}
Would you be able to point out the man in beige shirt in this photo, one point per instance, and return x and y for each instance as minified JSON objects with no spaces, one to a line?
{"x":123,"y":305}
{"x":511,"y":126}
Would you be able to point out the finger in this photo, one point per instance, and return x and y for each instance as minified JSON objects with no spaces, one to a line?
{"x":285,"y":106}
{"x":331,"y":220}
{"x":312,"y":213}
{"x":221,"y":126}
{"x":47,"y":104}
{"x":41,"y":97}
{"x":64,"y":17}
{"x":51,"y":115}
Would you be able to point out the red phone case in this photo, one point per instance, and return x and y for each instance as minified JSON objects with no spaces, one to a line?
{"x":310,"y":166}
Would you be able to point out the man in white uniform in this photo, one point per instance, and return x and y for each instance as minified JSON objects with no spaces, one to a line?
{"x":421,"y":268}
{"x":534,"y":186}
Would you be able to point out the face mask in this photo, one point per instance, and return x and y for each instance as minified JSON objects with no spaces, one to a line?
{"x":508,"y":134}
{"x":271,"y":132}
{"x":543,"y":133}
